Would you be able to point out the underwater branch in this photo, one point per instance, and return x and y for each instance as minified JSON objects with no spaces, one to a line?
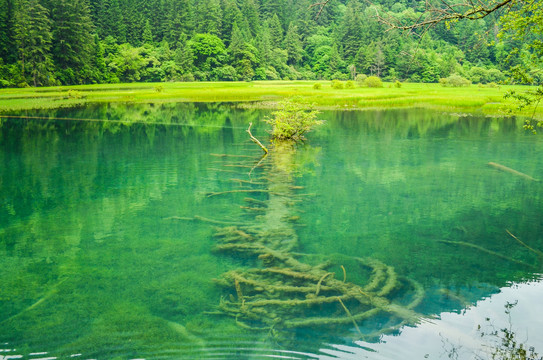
{"x":255,"y":140}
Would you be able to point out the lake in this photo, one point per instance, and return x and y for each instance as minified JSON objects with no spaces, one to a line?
{"x":164,"y":233}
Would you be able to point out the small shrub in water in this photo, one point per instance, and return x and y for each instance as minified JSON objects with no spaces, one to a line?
{"x":317,"y":86}
{"x":292,"y":121}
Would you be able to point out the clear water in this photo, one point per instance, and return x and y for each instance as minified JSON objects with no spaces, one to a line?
{"x":98,"y":259}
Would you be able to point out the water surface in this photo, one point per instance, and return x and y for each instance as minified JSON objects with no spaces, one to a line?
{"x":99,"y":257}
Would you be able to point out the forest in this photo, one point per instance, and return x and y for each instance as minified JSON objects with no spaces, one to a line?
{"x":69,"y":42}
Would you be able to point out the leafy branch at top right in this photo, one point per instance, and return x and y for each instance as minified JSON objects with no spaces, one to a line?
{"x":520,"y":21}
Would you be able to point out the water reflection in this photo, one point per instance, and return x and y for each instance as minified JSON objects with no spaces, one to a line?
{"x":90,"y":265}
{"x":465,"y":335}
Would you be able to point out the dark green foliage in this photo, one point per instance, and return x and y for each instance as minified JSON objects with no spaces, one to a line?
{"x":274,"y":39}
{"x":72,"y":41}
{"x":7,"y":41}
{"x":293,"y":45}
{"x":33,"y":38}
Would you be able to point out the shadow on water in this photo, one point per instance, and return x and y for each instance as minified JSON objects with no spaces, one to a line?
{"x":108,"y":251}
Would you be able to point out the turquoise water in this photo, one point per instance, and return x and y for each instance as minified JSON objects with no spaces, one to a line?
{"x":104,"y":254}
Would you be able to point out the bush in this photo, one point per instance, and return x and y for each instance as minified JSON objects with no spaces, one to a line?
{"x":360,"y":78}
{"x":336,"y":84}
{"x":398,"y":84}
{"x":484,"y":76}
{"x":339,"y":76}
{"x":373,"y":82}
{"x":317,"y":86}
{"x":495,"y":76}
{"x":188,"y":77}
{"x":292,"y":121}
{"x":454,"y":80}
{"x":349,"y":85}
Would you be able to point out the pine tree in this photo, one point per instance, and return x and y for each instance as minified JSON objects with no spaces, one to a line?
{"x":352,"y":30}
{"x":112,"y":23}
{"x":133,"y":21}
{"x":264,"y":45}
{"x":33,"y":38}
{"x":249,"y":9}
{"x":269,"y":8}
{"x":147,"y":36}
{"x":237,"y":44}
{"x":98,"y":62}
{"x":7,"y":42}
{"x":72,"y":30}
{"x":183,"y":56}
{"x":180,"y":21}
{"x":293,"y":45}
{"x":336,"y":63}
{"x":276,"y":32}
{"x":231,"y":14}
{"x":210,"y":17}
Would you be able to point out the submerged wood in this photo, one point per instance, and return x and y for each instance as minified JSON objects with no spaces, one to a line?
{"x":480,"y":248}
{"x":237,"y":191}
{"x":524,"y":244}
{"x":511,"y":171}
{"x":203,"y":219}
{"x":255,"y":140}
{"x":282,"y":291}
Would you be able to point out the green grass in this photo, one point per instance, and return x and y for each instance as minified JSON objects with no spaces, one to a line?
{"x":472,"y":99}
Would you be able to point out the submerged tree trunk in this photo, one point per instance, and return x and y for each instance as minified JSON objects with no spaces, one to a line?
{"x":282,"y":291}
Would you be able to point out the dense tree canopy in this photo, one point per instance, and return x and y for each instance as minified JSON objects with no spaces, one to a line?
{"x":48,"y":42}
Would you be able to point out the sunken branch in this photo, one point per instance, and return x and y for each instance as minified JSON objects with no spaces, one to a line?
{"x":255,"y":140}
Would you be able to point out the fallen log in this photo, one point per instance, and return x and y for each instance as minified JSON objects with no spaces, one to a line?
{"x":511,"y":171}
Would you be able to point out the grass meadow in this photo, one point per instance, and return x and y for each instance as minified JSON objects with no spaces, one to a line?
{"x":473,"y":99}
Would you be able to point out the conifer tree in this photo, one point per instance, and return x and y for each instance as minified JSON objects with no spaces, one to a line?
{"x":210,"y":17}
{"x":7,"y":43}
{"x":249,"y":9}
{"x":231,"y":14}
{"x":112,"y":23}
{"x":33,"y":38}
{"x":183,"y":56}
{"x":264,"y":45}
{"x":335,"y":60}
{"x":293,"y":45}
{"x":352,"y":30}
{"x":72,"y":30}
{"x":98,"y":62}
{"x":276,"y":32}
{"x":180,"y":21}
{"x":147,"y":36}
